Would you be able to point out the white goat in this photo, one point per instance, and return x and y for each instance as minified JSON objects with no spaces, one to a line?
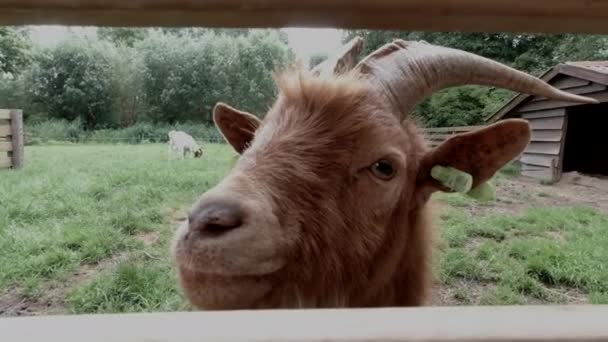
{"x":182,"y":143}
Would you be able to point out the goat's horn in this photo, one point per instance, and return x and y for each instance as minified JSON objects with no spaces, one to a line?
{"x":408,"y":71}
{"x":342,"y":61}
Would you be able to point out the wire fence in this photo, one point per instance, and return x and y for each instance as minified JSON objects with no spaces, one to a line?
{"x":132,"y":140}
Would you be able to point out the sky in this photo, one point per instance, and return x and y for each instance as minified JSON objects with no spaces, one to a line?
{"x":304,"y":41}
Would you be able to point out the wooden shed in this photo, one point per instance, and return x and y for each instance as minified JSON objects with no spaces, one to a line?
{"x":566,"y":136}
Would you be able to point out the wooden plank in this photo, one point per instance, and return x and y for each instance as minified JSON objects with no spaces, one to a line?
{"x":537,"y":159}
{"x":570,"y":82}
{"x":437,"y":136}
{"x":548,"y":135}
{"x":5,"y":130}
{"x":544,"y":114}
{"x":5,"y":114}
{"x":546,"y":123}
{"x":17,"y":139}
{"x":592,"y":88}
{"x":539,"y":174}
{"x":548,"y":104}
{"x":559,"y":165}
{"x":6,"y":146}
{"x":554,"y":16}
{"x":584,"y":73}
{"x":5,"y":161}
{"x":457,"y":129}
{"x":533,"y":323}
{"x":528,"y":167}
{"x":551,"y":148}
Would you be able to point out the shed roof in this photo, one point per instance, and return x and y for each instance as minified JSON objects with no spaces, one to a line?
{"x":594,"y":71}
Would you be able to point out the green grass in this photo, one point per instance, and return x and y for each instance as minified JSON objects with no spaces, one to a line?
{"x":81,"y":206}
{"x":77,"y":205}
{"x":528,"y":255}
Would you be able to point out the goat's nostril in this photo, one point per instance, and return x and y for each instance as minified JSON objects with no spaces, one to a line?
{"x":217,"y":218}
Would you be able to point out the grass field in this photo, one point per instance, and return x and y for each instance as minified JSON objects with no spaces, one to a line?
{"x":86,"y":228}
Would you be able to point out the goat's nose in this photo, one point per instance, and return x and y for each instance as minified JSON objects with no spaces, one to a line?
{"x":216,"y":218}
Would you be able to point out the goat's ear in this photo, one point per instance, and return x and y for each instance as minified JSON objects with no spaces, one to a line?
{"x":237,"y":127}
{"x":480,"y":153}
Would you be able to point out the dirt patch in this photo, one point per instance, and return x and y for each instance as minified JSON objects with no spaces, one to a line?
{"x":52,"y":298}
{"x":474,"y":243}
{"x":584,"y":189}
{"x":466,"y":292}
{"x":462,"y":293}
{"x":557,"y":236}
{"x":149,"y":238}
{"x":566,"y":295}
{"x":516,"y":195}
{"x":14,"y":303}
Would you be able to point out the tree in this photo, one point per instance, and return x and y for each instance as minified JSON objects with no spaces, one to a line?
{"x":14,"y":49}
{"x":197,"y":32}
{"x":73,"y":81}
{"x":122,"y":35}
{"x":186,"y":76}
{"x":317,"y":59}
{"x":582,"y":48}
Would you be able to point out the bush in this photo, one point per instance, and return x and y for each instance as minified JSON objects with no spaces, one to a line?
{"x":143,"y":132}
{"x":54,"y":130}
{"x":461,"y":106}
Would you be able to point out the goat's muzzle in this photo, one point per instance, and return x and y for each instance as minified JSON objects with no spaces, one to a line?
{"x":229,"y":248}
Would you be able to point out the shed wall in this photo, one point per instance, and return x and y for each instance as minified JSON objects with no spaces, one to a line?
{"x":542,"y":158}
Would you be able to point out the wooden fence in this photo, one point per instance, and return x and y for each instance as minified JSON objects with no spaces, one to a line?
{"x":556,"y":16}
{"x":522,"y":323}
{"x":435,"y":136}
{"x":533,"y":323}
{"x":11,"y":139}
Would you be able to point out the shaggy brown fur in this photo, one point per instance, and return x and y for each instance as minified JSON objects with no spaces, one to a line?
{"x":321,"y":225}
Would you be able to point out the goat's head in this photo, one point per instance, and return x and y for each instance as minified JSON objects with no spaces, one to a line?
{"x":328,"y":183}
{"x":198,"y":152}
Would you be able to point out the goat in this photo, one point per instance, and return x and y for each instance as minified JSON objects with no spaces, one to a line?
{"x":328,"y":204}
{"x":182,"y":143}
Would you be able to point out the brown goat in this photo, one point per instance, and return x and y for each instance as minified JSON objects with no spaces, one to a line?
{"x":327,"y":204}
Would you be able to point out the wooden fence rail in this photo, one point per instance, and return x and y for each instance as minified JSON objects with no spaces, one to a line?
{"x":436,"y":135}
{"x":11,"y":139}
{"x":430,"y":324}
{"x":558,"y":16}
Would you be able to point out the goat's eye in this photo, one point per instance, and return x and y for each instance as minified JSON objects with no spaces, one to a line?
{"x":383,"y":169}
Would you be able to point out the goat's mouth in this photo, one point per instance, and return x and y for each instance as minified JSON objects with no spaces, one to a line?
{"x":212,"y":292}
{"x":229,"y":272}
{"x":207,"y":262}
{"x":245,"y":252}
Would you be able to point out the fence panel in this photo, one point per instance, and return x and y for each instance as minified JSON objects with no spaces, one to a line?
{"x":437,"y":135}
{"x":12,"y":149}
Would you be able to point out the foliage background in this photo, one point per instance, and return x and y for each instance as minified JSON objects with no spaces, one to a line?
{"x":131,"y":84}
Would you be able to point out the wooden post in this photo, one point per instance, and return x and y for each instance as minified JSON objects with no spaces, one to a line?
{"x":17,"y":138}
